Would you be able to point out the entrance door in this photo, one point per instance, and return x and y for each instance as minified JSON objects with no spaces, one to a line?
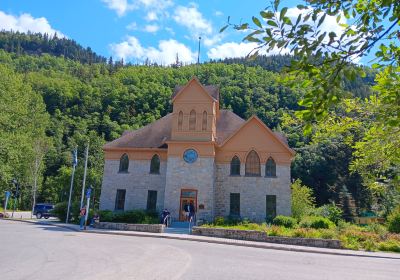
{"x":188,"y":196}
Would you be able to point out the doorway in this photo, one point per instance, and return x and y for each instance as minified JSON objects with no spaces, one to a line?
{"x":188,"y":196}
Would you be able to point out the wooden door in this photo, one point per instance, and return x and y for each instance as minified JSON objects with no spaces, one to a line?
{"x":188,"y":196}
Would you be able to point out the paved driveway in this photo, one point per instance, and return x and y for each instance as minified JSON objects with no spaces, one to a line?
{"x":32,"y":251}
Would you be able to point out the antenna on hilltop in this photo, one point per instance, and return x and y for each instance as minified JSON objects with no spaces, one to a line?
{"x":198,"y":57}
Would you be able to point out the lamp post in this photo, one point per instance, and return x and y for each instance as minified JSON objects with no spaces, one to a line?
{"x":74,"y":163}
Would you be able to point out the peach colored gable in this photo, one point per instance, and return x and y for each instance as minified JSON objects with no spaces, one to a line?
{"x":254,"y":135}
{"x":193,"y":92}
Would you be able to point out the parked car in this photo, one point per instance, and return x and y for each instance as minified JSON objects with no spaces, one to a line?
{"x":43,"y":210}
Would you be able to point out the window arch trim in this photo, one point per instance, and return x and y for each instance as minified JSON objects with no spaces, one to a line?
{"x":123,"y":163}
{"x":235,"y":166}
{"x":180,"y":120}
{"x":253,"y":166}
{"x":192,"y":120}
{"x":270,"y":168}
{"x":204,"y":121}
{"x":155,"y":163}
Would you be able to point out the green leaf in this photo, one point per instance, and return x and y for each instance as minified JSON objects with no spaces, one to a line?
{"x":223,"y":28}
{"x":272,"y":23}
{"x":321,"y":20}
{"x":257,"y":22}
{"x":267,"y":15}
{"x":283,"y":13}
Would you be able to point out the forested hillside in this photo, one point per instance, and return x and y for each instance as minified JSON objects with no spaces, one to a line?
{"x":38,"y":44}
{"x":51,"y":104}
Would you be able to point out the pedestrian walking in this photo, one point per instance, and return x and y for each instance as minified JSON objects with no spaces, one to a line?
{"x":82,"y":215}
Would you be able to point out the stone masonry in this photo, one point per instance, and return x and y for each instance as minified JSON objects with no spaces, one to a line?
{"x":253,"y":191}
{"x":137,"y":182}
{"x":198,"y":175}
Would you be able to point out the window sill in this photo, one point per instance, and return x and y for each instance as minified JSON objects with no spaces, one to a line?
{"x":252,"y":175}
{"x":154,"y":173}
{"x":235,"y":175}
{"x":273,"y":177}
{"x":123,"y":172}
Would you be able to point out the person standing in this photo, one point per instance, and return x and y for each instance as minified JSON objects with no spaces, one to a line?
{"x":192,"y":211}
{"x":82,"y":215}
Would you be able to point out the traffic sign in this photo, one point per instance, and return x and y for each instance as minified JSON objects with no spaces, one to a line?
{"x":88,"y":192}
{"x":8,"y":194}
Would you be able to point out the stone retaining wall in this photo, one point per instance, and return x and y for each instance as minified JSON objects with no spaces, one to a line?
{"x":252,"y":235}
{"x":157,"y":228}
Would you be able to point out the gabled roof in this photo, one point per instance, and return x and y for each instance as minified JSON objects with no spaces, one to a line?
{"x":155,"y":135}
{"x":152,"y":135}
{"x":278,"y":136}
{"x":211,"y":90}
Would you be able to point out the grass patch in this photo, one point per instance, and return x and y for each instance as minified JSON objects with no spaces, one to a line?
{"x":374,"y":237}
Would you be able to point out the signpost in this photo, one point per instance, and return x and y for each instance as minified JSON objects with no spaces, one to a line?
{"x":88,"y":193}
{"x":74,"y":163}
{"x":6,"y":202}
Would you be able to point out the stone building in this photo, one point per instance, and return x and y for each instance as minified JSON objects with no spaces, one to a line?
{"x":199,"y":154}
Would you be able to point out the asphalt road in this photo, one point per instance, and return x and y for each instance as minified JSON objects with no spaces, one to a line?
{"x":32,"y":251}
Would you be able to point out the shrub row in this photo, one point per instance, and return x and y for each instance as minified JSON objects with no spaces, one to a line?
{"x":315,"y":222}
{"x":130,"y":217}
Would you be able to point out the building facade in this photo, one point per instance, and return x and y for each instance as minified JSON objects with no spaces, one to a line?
{"x":199,"y":154}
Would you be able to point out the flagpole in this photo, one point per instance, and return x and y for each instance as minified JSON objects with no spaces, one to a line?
{"x":74,"y":163}
{"x":84,"y":174}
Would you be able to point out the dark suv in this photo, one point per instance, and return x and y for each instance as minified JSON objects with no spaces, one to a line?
{"x":43,"y":210}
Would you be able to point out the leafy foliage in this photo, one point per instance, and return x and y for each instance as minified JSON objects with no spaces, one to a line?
{"x":394,"y":221}
{"x":303,"y":200}
{"x":38,"y":44}
{"x":316,"y":222}
{"x":132,"y":217}
{"x":284,"y":221}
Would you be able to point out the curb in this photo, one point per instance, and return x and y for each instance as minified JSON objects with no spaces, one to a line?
{"x":261,"y":245}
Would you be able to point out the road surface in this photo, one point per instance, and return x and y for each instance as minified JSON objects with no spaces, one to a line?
{"x":32,"y":251}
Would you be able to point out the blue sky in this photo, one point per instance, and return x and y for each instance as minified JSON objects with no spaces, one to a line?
{"x":140,"y":29}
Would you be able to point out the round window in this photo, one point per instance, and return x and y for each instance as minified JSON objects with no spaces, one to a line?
{"x":190,"y":156}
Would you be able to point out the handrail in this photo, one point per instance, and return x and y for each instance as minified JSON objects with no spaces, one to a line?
{"x":168,"y":220}
{"x":192,"y":219}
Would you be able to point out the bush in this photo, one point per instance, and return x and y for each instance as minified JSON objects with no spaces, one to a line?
{"x":129,"y":217}
{"x":219,"y":221}
{"x":394,"y":221}
{"x":285,"y":221}
{"x":60,"y":211}
{"x":316,"y":222}
{"x":330,"y":211}
{"x":303,"y":200}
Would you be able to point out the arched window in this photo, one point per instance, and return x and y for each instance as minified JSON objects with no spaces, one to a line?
{"x":253,"y":164}
{"x":180,"y":120}
{"x":124,"y":163}
{"x":192,"y":120}
{"x":270,"y":168}
{"x":235,"y":166}
{"x":155,"y":165}
{"x":204,"y":124}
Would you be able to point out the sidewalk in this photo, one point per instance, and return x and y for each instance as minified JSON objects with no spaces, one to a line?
{"x":215,"y":240}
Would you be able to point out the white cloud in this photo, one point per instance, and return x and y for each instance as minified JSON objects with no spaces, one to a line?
{"x":219,"y":13}
{"x":151,"y":16}
{"x":233,"y":49}
{"x":132,"y":26}
{"x":191,"y":18}
{"x":210,"y":41}
{"x":165,"y":54}
{"x":151,"y":28}
{"x":119,"y":6}
{"x":170,"y":30}
{"x":25,"y":23}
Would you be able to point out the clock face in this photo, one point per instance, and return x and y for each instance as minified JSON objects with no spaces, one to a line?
{"x":190,"y":156}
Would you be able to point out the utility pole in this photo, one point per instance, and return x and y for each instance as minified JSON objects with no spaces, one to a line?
{"x":84,"y":174}
{"x":198,"y":57}
{"x":88,"y":193}
{"x":74,"y":163}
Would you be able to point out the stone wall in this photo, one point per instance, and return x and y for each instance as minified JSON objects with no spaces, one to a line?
{"x":253,"y":191}
{"x":252,"y":235}
{"x":199,"y":175}
{"x":137,"y":182}
{"x":157,"y":228}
